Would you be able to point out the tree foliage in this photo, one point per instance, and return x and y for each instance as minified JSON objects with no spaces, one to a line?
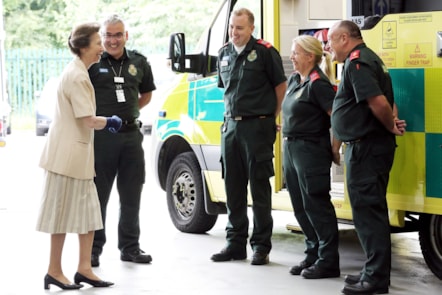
{"x":37,"y":24}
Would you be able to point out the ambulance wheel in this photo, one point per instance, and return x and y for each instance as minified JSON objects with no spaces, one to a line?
{"x":430,"y":238}
{"x":185,"y":195}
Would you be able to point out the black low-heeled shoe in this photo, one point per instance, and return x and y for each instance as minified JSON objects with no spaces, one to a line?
{"x":51,"y":281}
{"x":78,"y":278}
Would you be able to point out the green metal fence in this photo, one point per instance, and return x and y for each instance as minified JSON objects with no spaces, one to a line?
{"x":27,"y":71}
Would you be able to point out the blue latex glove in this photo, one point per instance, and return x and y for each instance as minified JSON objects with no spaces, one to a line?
{"x":113,"y":124}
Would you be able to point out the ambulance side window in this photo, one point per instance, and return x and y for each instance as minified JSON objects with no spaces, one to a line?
{"x":218,"y":33}
{"x":255,"y":7}
{"x":217,"y":38}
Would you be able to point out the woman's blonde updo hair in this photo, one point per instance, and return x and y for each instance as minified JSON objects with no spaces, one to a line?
{"x":80,"y":36}
{"x":323,"y":58}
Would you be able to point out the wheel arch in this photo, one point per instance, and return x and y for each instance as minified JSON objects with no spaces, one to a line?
{"x":170,"y":149}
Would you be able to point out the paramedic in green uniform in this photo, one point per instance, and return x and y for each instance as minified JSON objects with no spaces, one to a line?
{"x":308,"y":155}
{"x":252,"y":75}
{"x":363,"y":118}
{"x":123,"y":83}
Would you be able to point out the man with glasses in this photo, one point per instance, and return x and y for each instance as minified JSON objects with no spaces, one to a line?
{"x":123,"y":83}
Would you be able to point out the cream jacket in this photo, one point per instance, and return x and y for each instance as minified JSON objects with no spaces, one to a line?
{"x":69,"y":147}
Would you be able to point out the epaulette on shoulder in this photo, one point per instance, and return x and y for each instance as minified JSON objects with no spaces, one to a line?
{"x":355,"y":54}
{"x":314,"y":76}
{"x":136,"y":52}
{"x":224,"y":46}
{"x":264,"y":43}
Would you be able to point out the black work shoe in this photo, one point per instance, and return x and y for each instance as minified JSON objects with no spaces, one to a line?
{"x":296,"y":270}
{"x":95,"y":260}
{"x":228,"y":254}
{"x":354,"y":279}
{"x":136,"y":256}
{"x":260,"y":258}
{"x":317,"y":272}
{"x":363,"y":287}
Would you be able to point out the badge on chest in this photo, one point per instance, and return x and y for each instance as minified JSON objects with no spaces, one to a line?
{"x":225,"y":61}
{"x":119,"y":91}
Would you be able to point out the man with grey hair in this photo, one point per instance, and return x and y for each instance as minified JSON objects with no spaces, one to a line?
{"x":123,"y":83}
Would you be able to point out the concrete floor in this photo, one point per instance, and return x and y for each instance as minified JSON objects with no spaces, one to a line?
{"x":181,"y":262}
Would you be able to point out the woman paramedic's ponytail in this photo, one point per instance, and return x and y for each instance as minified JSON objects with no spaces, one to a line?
{"x":326,"y":66}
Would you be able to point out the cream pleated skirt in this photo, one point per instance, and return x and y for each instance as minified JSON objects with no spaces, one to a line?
{"x":69,"y":205}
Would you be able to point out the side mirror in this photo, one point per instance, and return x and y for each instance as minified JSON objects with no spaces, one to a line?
{"x":177,"y":52}
{"x":182,"y":62}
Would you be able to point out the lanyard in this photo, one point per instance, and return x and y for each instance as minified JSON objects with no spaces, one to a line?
{"x":112,"y":67}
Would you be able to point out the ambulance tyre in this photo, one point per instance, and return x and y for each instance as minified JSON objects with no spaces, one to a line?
{"x":185,"y":195}
{"x":430,"y":238}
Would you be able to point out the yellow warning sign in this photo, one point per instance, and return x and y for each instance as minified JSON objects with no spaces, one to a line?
{"x":416,"y":18}
{"x":418,"y":55}
{"x":389,"y":34}
{"x":389,"y":58}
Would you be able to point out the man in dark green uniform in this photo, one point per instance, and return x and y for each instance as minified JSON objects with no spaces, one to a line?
{"x":363,"y":118}
{"x":252,"y":75}
{"x":123,"y":83}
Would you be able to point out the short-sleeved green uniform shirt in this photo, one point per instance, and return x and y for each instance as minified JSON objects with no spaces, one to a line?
{"x":137,"y":74}
{"x":364,"y":76}
{"x":305,"y":106}
{"x":250,"y":79}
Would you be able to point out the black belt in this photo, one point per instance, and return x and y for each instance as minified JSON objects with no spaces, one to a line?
{"x":360,"y":139}
{"x":353,"y":141}
{"x":129,"y":122}
{"x":130,"y":125}
{"x":308,"y":138}
{"x":369,"y":136}
{"x":241,"y":118}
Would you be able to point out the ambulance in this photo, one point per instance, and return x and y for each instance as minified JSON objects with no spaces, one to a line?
{"x":186,"y":134}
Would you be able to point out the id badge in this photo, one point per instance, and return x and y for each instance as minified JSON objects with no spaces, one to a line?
{"x":119,"y":80}
{"x":120,"y":95}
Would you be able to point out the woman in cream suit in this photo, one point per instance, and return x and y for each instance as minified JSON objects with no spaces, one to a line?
{"x":70,"y":202}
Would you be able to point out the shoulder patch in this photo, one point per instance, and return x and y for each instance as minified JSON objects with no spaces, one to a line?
{"x":314,"y":76}
{"x":224,"y":46}
{"x":264,"y":43}
{"x":355,"y":54}
{"x":136,"y":52}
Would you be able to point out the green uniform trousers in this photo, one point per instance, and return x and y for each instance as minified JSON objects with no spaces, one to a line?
{"x":120,"y":156}
{"x":247,"y":155}
{"x":368,"y":164}
{"x":307,"y":164}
